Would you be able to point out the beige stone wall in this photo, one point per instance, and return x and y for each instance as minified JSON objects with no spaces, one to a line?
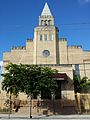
{"x":67,"y":87}
{"x":30,"y":46}
{"x":63,"y":51}
{"x":6,"y":60}
{"x":85,"y":69}
{"x":40,"y":46}
{"x":85,"y":66}
{"x":86,"y":55}
{"x":34,"y":49}
{"x":65,"y":69}
{"x":75,"y":55}
{"x":6,"y":56}
{"x":17,"y":56}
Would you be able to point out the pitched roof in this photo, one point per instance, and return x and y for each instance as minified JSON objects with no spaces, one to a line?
{"x":46,"y":11}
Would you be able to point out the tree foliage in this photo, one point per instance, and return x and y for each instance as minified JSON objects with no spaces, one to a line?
{"x":81,"y":84}
{"x":28,"y":78}
{"x":11,"y":81}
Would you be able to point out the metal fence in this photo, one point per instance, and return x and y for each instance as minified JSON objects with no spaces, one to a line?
{"x":22,"y":108}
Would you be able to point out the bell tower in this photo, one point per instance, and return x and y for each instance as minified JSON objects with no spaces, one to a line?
{"x":45,"y":39}
{"x":46,"y":18}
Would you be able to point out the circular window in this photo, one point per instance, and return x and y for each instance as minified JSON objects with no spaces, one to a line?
{"x":46,"y":53}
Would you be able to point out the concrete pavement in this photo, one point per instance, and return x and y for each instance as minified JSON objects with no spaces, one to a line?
{"x":43,"y":117}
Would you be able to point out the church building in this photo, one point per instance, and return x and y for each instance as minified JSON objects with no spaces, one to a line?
{"x":48,"y":49}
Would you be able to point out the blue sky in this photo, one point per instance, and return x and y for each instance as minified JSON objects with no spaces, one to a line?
{"x":19,"y":17}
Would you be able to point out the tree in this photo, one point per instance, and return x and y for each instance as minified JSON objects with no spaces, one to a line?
{"x":81,"y":85}
{"x":37,"y":79}
{"x":31,"y":79}
{"x":11,"y":81}
{"x":12,"y":78}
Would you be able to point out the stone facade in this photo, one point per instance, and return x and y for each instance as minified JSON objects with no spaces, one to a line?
{"x":47,"y":48}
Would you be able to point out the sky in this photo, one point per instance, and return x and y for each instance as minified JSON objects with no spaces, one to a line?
{"x":0,"y":69}
{"x":19,"y":17}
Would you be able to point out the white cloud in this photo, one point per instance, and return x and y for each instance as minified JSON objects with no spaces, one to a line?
{"x":1,"y":62}
{"x":84,"y":1}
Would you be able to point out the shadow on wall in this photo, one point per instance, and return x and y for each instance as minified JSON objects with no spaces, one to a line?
{"x":63,"y":106}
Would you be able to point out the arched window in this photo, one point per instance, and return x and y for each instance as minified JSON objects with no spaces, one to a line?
{"x":51,"y":36}
{"x":42,"y":22}
{"x":49,"y":22}
{"x":45,"y":37}
{"x":40,"y":37}
{"x":45,"y":23}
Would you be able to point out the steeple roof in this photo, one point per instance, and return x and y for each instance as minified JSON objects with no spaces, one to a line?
{"x":46,"y":11}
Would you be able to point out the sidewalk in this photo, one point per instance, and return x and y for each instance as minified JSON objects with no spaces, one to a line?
{"x":43,"y":117}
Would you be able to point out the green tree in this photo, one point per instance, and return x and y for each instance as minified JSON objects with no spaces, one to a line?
{"x":11,"y":79}
{"x":37,"y":79}
{"x":81,"y":84}
{"x":31,"y":79}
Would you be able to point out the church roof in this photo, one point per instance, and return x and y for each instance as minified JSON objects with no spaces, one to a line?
{"x":46,"y":11}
